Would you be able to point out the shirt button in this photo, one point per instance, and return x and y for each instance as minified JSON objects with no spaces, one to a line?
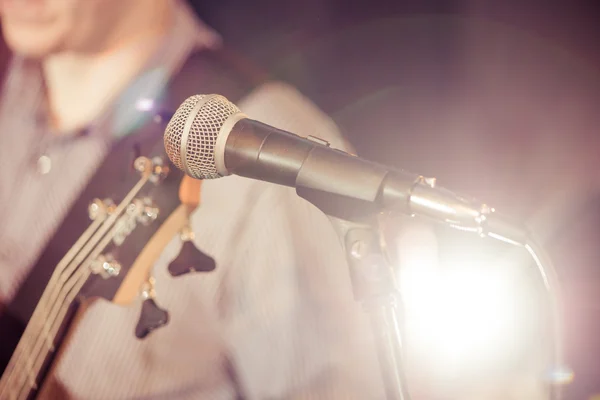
{"x":44,"y":164}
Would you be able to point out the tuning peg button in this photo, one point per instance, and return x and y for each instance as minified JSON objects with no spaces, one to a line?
{"x":151,"y":317}
{"x":190,"y":259}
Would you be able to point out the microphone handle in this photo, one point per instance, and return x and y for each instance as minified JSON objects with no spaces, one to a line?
{"x":351,"y":188}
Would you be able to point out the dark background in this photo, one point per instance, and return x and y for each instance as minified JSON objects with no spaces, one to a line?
{"x":497,"y":99}
{"x":355,"y":59}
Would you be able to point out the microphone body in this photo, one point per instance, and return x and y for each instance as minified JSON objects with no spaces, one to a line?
{"x":340,"y":184}
{"x":348,"y":187}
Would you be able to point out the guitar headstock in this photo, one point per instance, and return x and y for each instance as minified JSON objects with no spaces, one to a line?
{"x":101,"y":258}
{"x":136,"y":231}
{"x":120,"y":228}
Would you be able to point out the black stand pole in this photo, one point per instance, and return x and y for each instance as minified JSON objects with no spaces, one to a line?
{"x":374,"y":285}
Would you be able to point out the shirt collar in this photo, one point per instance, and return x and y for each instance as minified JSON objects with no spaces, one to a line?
{"x":188,"y":34}
{"x":134,"y":105}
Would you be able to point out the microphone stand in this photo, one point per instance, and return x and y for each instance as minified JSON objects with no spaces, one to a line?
{"x":356,"y":199}
{"x":374,"y":285}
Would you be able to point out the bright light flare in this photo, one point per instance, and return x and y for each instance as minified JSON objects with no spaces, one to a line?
{"x":458,"y":315}
{"x":461,"y":315}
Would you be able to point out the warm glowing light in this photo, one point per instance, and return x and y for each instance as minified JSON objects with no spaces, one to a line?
{"x":458,"y":314}
{"x":461,"y":314}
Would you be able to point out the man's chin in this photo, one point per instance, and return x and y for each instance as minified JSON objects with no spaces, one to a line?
{"x":31,"y":45}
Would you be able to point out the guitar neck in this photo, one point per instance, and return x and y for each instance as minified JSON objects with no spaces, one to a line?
{"x":34,"y":355}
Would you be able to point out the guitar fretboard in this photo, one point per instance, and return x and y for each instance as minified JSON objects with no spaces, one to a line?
{"x":44,"y":330}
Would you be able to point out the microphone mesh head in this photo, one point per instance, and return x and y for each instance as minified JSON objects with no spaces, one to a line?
{"x":204,"y":115}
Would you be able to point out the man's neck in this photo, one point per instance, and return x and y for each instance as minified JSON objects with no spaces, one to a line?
{"x":80,"y":86}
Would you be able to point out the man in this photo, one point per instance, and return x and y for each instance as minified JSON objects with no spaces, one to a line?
{"x":276,"y":318}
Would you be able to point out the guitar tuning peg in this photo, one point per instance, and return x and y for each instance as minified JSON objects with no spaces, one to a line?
{"x":190,"y":259}
{"x":151,"y":315}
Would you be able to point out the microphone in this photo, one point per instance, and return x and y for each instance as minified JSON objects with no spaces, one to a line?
{"x":208,"y":137}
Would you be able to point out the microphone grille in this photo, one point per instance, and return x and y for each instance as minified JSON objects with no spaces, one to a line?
{"x":191,"y":135}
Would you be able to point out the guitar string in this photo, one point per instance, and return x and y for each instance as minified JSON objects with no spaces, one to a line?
{"x":62,"y":281}
{"x":16,"y":373}
{"x":67,"y":296}
{"x":68,"y":283}
{"x":27,"y":348}
{"x":24,"y":389}
{"x":51,"y":287}
{"x":83,"y":255}
{"x":5,"y":380}
{"x":38,"y":323}
{"x":60,"y":276}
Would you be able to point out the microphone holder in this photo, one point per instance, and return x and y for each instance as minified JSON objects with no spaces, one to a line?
{"x":374,"y":285}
